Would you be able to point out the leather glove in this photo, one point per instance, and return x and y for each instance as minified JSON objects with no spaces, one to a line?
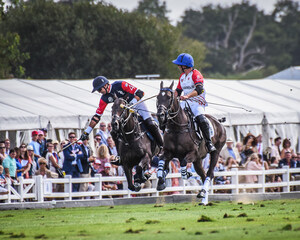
{"x":84,"y":136}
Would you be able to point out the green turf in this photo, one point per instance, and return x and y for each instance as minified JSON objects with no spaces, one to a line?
{"x":278,"y":219}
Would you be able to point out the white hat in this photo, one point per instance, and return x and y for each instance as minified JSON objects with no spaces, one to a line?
{"x":229,"y":140}
{"x":30,"y":147}
{"x":107,"y":165}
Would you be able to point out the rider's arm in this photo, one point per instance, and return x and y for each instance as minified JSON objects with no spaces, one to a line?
{"x":138,"y":94}
{"x":96,"y":118}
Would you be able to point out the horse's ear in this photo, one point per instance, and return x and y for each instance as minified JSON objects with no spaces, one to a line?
{"x":161,"y":84}
{"x":115,"y":96}
{"x":171,"y":86}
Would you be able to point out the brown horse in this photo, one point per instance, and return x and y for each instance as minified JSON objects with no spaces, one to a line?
{"x":133,"y":144}
{"x":181,"y":140}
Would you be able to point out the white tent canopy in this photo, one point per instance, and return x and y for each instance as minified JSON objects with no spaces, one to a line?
{"x":69,"y":104}
{"x":291,"y":73}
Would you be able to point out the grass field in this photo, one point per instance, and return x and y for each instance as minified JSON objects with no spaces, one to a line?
{"x":277,"y":219}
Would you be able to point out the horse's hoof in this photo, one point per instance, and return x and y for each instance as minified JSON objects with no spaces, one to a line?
{"x":188,"y":175}
{"x":131,"y":188}
{"x":201,"y":194}
{"x":161,"y":185}
{"x":137,"y":187}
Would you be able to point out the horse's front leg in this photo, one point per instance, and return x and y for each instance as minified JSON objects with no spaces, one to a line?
{"x":128,"y":174}
{"x":162,"y":171}
{"x":209,"y":177}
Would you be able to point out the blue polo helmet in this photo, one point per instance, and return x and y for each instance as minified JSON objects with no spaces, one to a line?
{"x":99,"y":82}
{"x":184,"y":59}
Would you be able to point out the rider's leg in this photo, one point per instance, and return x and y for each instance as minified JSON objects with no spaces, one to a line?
{"x":204,"y":126}
{"x":155,"y":132}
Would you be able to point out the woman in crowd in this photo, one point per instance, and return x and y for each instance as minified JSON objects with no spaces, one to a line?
{"x":43,"y":169}
{"x":34,"y":165}
{"x":249,"y":147}
{"x":286,"y":144}
{"x":253,"y":164}
{"x":18,"y":164}
{"x":103,"y":156}
{"x":25,"y":160}
{"x":52,"y":158}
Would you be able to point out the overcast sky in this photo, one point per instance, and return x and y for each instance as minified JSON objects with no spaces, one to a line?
{"x":177,"y":7}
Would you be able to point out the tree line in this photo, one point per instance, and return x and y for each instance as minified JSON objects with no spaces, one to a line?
{"x":79,"y":39}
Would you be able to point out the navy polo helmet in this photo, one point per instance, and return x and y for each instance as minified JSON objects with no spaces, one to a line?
{"x":184,"y":59}
{"x":99,"y":82}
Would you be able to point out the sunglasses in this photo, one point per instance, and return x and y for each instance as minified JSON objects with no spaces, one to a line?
{"x":102,"y":126}
{"x":72,"y":137}
{"x":23,"y":147}
{"x":42,"y":163}
{"x":98,"y":139}
{"x":2,"y":147}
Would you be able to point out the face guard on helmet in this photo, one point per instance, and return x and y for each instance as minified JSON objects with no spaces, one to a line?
{"x":99,"y":82}
{"x":184,"y":59}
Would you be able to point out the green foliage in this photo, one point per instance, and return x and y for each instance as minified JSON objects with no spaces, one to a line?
{"x":84,"y":40}
{"x":153,"y":8}
{"x":240,"y":38}
{"x":10,"y":56}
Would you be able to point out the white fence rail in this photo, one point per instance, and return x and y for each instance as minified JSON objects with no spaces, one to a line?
{"x":39,"y":189}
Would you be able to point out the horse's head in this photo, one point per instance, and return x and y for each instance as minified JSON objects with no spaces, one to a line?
{"x":164,"y":102}
{"x":118,"y":112}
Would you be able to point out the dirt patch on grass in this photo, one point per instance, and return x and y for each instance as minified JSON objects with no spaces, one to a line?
{"x":205,"y":219}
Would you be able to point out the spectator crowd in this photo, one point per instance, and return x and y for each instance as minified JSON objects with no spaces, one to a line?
{"x":53,"y":159}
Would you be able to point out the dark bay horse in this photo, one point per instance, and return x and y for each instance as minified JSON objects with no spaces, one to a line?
{"x":133,"y":144}
{"x":181,"y":141}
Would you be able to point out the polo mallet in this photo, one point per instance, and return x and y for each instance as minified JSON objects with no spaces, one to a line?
{"x":68,"y":145}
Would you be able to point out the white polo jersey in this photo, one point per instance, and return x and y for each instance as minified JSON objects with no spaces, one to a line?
{"x":187,"y":83}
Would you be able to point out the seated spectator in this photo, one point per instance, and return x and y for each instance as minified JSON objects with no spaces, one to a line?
{"x":43,"y":171}
{"x":230,"y":151}
{"x":3,"y":190}
{"x":287,"y":161}
{"x":230,"y":163}
{"x":103,"y":156}
{"x":25,"y":160}
{"x":10,"y":166}
{"x":259,"y":145}
{"x":253,"y":164}
{"x":105,"y":173}
{"x":2,"y":152}
{"x":286,"y":147}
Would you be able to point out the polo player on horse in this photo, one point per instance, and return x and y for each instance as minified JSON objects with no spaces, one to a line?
{"x":191,"y":83}
{"x":121,"y":89}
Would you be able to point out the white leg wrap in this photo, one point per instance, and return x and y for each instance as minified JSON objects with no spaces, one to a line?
{"x":206,"y":184}
{"x":183,"y":172}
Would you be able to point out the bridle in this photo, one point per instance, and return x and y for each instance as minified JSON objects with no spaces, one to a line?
{"x":122,"y":120}
{"x":169,"y":114}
